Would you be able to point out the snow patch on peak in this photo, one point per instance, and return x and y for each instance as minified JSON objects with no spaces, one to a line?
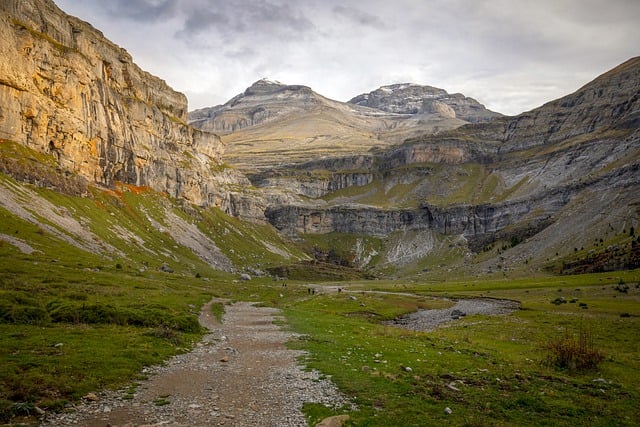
{"x":269,"y":81}
{"x":397,"y":86}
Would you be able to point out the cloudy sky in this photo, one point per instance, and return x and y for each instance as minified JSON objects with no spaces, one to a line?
{"x":511,"y":55}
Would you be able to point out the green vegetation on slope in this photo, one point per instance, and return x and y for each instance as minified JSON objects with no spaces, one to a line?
{"x":95,"y":287}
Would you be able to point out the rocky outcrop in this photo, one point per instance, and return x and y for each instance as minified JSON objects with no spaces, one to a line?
{"x":313,"y":184}
{"x":67,"y":91}
{"x":407,"y":98}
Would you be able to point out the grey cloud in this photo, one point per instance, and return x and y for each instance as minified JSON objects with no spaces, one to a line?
{"x":243,"y":53}
{"x":243,"y":17}
{"x":359,"y":16}
{"x":511,"y":55}
{"x":141,"y":10}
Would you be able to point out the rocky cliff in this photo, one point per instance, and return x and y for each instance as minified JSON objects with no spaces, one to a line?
{"x":513,"y":178}
{"x":68,"y":91}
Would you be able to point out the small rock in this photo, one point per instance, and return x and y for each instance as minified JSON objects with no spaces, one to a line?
{"x":451,"y":386}
{"x":245,"y":277}
{"x":448,"y":411}
{"x":194,"y":406}
{"x":352,"y":298}
{"x":106,"y":409}
{"x":58,"y":345}
{"x":92,"y":397}
{"x":166,"y":269}
{"x":225,"y":359}
{"x":407,"y":369}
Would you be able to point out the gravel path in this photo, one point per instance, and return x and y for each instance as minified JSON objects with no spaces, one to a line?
{"x":427,"y":320}
{"x":240,"y":374}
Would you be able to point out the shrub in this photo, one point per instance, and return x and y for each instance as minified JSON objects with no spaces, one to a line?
{"x":575,"y":354}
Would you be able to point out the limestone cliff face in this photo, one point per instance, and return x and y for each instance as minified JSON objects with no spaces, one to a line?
{"x":68,"y":91}
{"x":478,"y":223}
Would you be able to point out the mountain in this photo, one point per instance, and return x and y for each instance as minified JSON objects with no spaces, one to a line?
{"x":262,"y":102}
{"x":408,"y":98}
{"x":533,"y":184}
{"x":119,"y":220}
{"x":274,"y":123}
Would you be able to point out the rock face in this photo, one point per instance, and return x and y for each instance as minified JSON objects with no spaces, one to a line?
{"x":407,"y":98}
{"x":511,"y":178}
{"x":474,"y":222}
{"x":67,"y":91}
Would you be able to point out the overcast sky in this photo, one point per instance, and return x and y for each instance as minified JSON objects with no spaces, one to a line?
{"x":511,"y":55}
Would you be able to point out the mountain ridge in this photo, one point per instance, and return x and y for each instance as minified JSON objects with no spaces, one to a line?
{"x":295,"y":123}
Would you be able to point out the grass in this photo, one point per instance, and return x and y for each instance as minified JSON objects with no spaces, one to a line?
{"x":490,"y":370}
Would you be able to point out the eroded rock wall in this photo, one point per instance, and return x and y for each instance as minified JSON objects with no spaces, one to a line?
{"x":68,"y":91}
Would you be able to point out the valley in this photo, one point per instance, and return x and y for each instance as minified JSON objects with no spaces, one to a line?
{"x":122,"y":214}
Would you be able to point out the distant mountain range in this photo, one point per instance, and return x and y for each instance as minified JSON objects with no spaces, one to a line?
{"x":297,"y":124}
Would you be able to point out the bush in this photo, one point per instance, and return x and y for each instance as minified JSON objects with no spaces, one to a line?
{"x":575,"y":354}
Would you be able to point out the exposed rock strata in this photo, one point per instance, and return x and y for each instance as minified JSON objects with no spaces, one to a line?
{"x":68,"y":91}
{"x":472,"y":221}
{"x":539,"y":162}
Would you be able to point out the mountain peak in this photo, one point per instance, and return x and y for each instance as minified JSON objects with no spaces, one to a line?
{"x":411,"y":98}
{"x":267,"y":82}
{"x":267,"y":86}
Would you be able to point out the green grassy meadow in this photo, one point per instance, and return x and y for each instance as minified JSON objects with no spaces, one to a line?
{"x":489,"y":370}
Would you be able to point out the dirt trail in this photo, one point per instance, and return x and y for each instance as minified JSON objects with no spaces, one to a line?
{"x":240,"y":374}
